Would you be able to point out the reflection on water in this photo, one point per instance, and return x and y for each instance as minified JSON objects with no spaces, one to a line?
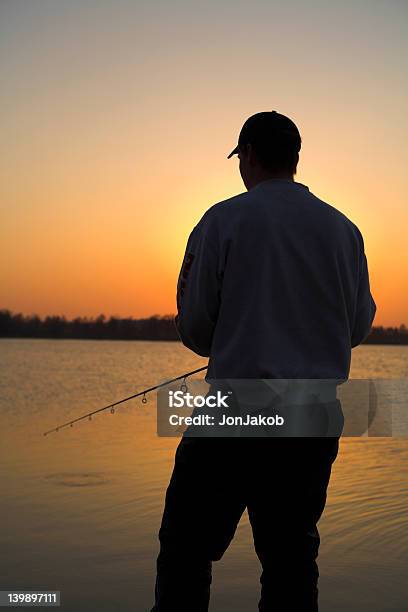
{"x":81,"y":508}
{"x":78,"y":479}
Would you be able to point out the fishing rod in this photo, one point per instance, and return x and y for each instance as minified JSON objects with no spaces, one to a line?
{"x":126,"y":399}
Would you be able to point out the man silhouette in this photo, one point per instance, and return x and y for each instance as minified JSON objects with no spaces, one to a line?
{"x":274,"y":285}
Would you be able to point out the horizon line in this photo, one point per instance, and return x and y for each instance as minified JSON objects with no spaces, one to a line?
{"x":103,"y":317}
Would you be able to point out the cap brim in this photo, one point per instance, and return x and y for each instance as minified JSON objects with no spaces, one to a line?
{"x":233,"y":152}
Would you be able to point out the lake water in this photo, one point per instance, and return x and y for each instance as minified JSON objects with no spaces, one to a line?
{"x":80,"y":509}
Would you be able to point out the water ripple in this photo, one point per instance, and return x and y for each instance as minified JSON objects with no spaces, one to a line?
{"x":77,"y":479}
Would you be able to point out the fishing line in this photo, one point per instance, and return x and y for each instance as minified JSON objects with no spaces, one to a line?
{"x":126,"y":399}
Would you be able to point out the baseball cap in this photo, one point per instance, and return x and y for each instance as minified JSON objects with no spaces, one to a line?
{"x":269,"y":130}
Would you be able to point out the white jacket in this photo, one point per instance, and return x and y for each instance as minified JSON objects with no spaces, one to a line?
{"x":274,"y":284}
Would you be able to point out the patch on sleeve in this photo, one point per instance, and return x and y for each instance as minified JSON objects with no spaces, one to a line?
{"x":185,"y":269}
{"x":188,"y":260}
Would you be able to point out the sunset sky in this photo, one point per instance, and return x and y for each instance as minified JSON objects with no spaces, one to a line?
{"x":117,"y":117}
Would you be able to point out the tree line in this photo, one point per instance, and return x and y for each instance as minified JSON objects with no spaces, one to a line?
{"x":100,"y":328}
{"x":156,"y":327}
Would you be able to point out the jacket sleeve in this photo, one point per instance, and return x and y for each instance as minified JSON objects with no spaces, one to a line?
{"x":198,"y":289}
{"x":365,"y":305}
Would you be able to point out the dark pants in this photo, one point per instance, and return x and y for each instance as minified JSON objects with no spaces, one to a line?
{"x":281,"y":481}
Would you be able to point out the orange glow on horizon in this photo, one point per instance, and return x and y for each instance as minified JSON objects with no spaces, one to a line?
{"x":117,"y":126}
